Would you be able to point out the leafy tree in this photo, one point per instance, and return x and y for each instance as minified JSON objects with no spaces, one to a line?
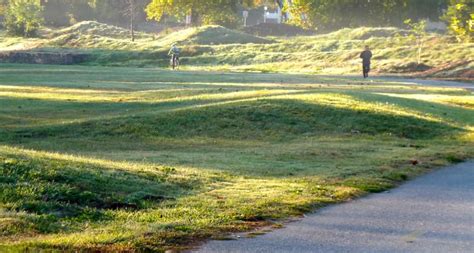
{"x":3,"y":7}
{"x":23,"y":17}
{"x":81,"y":10}
{"x":65,"y":12}
{"x":3,"y":10}
{"x":118,"y":11}
{"x":56,"y":12}
{"x":460,"y":16}
{"x":335,"y":14}
{"x":418,"y":34}
{"x":130,"y":10}
{"x":222,"y":12}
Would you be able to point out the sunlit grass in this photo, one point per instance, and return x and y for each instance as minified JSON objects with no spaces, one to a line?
{"x":136,"y":159}
{"x":462,"y":101}
{"x":220,"y":49}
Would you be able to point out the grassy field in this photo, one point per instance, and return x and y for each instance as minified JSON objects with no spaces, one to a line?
{"x":219,"y":49}
{"x":143,"y":159}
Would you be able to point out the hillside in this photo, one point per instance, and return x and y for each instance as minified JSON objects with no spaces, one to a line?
{"x":218,"y":48}
{"x":135,"y":159}
{"x":211,"y":35}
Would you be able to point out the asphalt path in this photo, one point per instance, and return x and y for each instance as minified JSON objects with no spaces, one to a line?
{"x":433,"y":213}
{"x":427,"y":82}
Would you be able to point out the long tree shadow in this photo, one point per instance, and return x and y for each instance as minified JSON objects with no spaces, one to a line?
{"x":447,"y":112}
{"x":52,"y":190}
{"x":23,"y":114}
{"x":75,"y":75}
{"x":187,"y":135}
{"x":265,"y":119}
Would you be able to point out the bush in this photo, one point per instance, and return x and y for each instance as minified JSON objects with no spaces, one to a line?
{"x":460,"y":16}
{"x":23,"y":18}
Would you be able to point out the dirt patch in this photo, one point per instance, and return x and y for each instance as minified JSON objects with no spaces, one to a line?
{"x":42,"y":58}
{"x":458,"y":69}
{"x":410,"y":67}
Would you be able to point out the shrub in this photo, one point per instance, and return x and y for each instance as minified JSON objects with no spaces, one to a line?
{"x":23,"y":17}
{"x":460,"y":16}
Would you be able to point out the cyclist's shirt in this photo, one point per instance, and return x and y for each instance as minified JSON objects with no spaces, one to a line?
{"x":174,"y":51}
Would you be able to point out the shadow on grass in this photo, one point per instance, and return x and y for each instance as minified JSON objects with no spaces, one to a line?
{"x":38,"y":112}
{"x":263,"y":119}
{"x":85,"y":76}
{"x":53,"y":190}
{"x":447,"y":112}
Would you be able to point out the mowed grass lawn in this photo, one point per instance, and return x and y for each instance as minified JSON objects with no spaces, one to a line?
{"x":134,"y":159}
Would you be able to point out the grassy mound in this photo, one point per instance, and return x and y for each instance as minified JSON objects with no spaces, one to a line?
{"x":144,"y":160}
{"x":79,"y":191}
{"x":283,"y":119}
{"x":364,"y":33}
{"x":92,"y":34}
{"x":218,"y":48}
{"x":93,"y":28}
{"x":268,"y":29}
{"x":212,"y":35}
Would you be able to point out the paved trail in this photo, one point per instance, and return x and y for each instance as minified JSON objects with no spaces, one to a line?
{"x":434,"y":213}
{"x":427,"y":82}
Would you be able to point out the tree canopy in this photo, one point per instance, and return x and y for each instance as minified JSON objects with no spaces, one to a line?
{"x":460,"y":16}
{"x":223,"y":12}
{"x":23,"y":17}
{"x":334,"y":14}
{"x":65,"y":12}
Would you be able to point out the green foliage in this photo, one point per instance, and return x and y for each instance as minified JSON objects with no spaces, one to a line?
{"x":3,"y":7}
{"x":418,"y":34}
{"x":460,"y":16}
{"x":66,"y":12}
{"x":57,"y":13}
{"x":335,"y":14}
{"x":23,"y":17}
{"x":218,"y":12}
{"x":118,"y":11}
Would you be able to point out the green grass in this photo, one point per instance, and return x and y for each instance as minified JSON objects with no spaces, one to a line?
{"x":219,"y":49}
{"x":134,"y":159}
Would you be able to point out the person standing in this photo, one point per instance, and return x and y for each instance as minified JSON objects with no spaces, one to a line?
{"x":366,"y":60}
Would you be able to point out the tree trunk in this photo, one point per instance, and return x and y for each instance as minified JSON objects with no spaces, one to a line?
{"x":420,"y":49}
{"x":132,"y":19}
{"x":195,"y":19}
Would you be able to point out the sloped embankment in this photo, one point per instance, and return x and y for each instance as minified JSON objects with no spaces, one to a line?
{"x":211,"y":35}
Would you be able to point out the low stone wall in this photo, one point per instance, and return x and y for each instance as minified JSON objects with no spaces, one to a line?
{"x":42,"y":58}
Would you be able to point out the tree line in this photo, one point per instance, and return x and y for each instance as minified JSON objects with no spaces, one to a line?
{"x":23,"y":17}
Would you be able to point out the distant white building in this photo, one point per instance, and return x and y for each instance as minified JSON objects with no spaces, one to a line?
{"x":278,"y":16}
{"x":273,"y":17}
{"x":436,"y":26}
{"x":265,"y":15}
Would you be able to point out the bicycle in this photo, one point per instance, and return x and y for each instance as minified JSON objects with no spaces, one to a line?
{"x":174,"y":62}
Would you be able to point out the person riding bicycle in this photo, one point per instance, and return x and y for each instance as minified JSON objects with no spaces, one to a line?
{"x":174,"y":53}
